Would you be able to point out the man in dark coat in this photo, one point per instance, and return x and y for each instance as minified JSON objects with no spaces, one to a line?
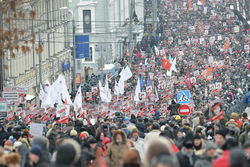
{"x":3,"y":135}
{"x":187,"y":156}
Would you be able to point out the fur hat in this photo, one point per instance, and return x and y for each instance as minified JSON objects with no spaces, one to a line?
{"x":68,"y":153}
{"x":210,"y":145}
{"x":221,"y":132}
{"x":84,"y":135}
{"x":234,"y":115}
{"x":11,"y":158}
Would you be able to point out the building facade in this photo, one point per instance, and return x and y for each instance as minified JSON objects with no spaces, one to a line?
{"x":106,"y":22}
{"x":49,"y":30}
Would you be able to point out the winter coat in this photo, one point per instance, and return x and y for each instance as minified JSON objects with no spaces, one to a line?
{"x":116,"y":151}
{"x":139,"y":146}
{"x":44,"y":160}
{"x":154,"y":134}
{"x":204,"y":161}
{"x":3,"y":135}
{"x":244,"y":136}
{"x":184,"y":159}
{"x":46,"y":156}
{"x":223,"y":161}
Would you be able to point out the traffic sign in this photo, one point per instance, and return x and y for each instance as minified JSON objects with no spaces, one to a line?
{"x":183,"y":97}
{"x":184,"y":110}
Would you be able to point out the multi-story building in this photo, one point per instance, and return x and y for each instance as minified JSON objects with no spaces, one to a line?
{"x":49,"y":27}
{"x":106,"y":22}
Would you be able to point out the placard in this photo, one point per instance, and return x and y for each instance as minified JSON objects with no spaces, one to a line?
{"x":36,"y":130}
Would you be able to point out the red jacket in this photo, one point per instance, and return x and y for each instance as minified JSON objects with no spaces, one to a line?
{"x":223,"y":161}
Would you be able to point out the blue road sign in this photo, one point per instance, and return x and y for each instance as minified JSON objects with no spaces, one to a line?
{"x":82,"y":46}
{"x":183,"y":97}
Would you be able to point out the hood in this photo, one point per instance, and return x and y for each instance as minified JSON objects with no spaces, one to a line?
{"x":247,"y":128}
{"x":42,"y":142}
{"x":122,"y":133}
{"x":68,"y":153}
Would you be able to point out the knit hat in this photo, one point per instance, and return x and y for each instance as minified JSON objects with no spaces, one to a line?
{"x":36,"y":150}
{"x":73,"y":133}
{"x":188,"y":144}
{"x":92,"y":140}
{"x":177,"y":117}
{"x":210,"y":146}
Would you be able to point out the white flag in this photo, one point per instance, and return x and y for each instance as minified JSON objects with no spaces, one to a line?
{"x":137,"y":91}
{"x":116,"y":91}
{"x":102,"y":92}
{"x":78,"y":99}
{"x":64,"y":91}
{"x":41,"y":93}
{"x":47,"y":95}
{"x":107,"y":91}
{"x":126,"y":73}
{"x":121,"y":86}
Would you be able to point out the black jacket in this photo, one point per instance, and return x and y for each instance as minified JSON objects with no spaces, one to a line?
{"x":184,"y":160}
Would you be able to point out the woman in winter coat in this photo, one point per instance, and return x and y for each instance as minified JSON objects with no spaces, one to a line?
{"x":117,"y":149}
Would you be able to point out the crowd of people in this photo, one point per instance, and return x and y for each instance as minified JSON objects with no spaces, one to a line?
{"x":130,"y":142}
{"x":209,"y":41}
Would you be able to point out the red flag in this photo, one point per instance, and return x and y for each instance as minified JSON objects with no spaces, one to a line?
{"x":63,"y":120}
{"x":165,"y":63}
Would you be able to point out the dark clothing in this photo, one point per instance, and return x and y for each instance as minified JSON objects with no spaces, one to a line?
{"x":44,"y":160}
{"x":3,"y":136}
{"x":204,"y":161}
{"x":185,"y":161}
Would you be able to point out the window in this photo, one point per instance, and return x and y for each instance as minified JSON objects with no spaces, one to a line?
{"x":87,"y":21}
{"x":90,"y":55}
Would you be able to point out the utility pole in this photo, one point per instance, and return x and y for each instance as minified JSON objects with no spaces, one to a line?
{"x":154,"y":16}
{"x":74,"y":55}
{"x":130,"y":35}
{"x":40,"y":61}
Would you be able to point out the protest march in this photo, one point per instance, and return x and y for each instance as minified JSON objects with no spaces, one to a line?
{"x":181,"y":99}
